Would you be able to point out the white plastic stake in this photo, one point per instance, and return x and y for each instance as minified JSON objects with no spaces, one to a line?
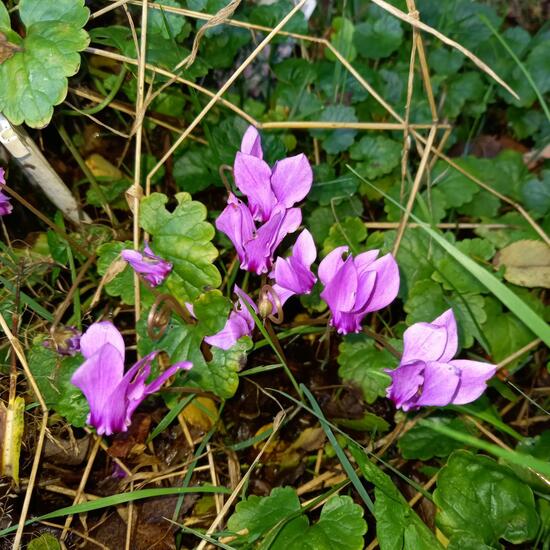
{"x":39,"y":171}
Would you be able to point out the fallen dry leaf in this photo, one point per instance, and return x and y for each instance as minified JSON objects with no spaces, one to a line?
{"x":527,"y":263}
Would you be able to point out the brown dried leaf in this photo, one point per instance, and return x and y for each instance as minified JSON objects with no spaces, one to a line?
{"x":527,"y":263}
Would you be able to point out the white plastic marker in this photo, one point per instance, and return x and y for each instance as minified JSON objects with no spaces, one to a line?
{"x":39,"y":171}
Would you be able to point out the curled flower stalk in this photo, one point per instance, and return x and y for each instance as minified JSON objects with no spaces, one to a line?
{"x":428,"y":375}
{"x":113,"y":395}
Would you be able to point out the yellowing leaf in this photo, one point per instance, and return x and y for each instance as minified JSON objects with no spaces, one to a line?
{"x":527,"y":263}
{"x":201,"y":413}
{"x":11,"y":435}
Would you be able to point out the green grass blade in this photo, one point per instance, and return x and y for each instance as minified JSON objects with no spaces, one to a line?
{"x":346,"y":464}
{"x":527,"y":461}
{"x":515,"y":304}
{"x":28,"y":301}
{"x":115,"y":500}
{"x":170,"y":416}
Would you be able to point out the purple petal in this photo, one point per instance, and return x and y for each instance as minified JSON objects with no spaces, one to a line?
{"x":252,"y":179}
{"x":424,"y":341}
{"x":259,"y":248}
{"x":330,"y":265}
{"x":292,"y":219}
{"x":406,"y":382}
{"x":293,"y":276}
{"x":387,"y":282}
{"x":440,"y":384}
{"x":2,"y":176}
{"x":366,"y":284}
{"x":99,"y":378}
{"x":5,"y":205}
{"x":242,"y":309}
{"x":473,"y":379}
{"x":447,"y":320}
{"x":236,"y":327}
{"x":340,"y":292}
{"x":237,"y":223}
{"x":291,"y":179}
{"x":364,"y":260}
{"x":251,"y":143}
{"x":99,"y":335}
{"x":153,"y":268}
{"x":346,"y":322}
{"x":158,"y":382}
{"x":304,"y":250}
{"x":283,"y":294}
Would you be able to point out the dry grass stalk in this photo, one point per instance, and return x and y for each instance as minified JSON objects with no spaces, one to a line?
{"x":18,"y":350}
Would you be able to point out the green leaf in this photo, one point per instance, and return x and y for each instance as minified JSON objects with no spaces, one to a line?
{"x":537,"y":65}
{"x":465,"y":87}
{"x":340,"y":524}
{"x":182,"y":342}
{"x":363,"y":364}
{"x":342,"y":39}
{"x":536,"y":194}
{"x":398,"y":527}
{"x":504,"y":332}
{"x":122,"y":284}
{"x":457,"y":188}
{"x":336,"y":141}
{"x":451,"y":274}
{"x":379,"y":36}
{"x":44,"y":542}
{"x":53,"y":376}
{"x":192,"y":170}
{"x":4,"y":17}
{"x":349,"y":232}
{"x":378,"y":155}
{"x":34,"y":79}
{"x":167,"y":24}
{"x":477,"y":495}
{"x":182,"y":237}
{"x":539,"y":447}
{"x":260,"y":514}
{"x":427,"y":300}
{"x":326,"y":186}
{"x":422,"y":443}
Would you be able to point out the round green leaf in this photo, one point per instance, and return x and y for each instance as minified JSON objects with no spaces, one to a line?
{"x":379,"y":36}
{"x":477,"y":495}
{"x":34,"y":79}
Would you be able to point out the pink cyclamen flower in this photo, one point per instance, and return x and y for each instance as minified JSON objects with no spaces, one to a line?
{"x":113,"y":396}
{"x":428,"y":375}
{"x":357,"y":286}
{"x":256,"y":245}
{"x":293,"y":274}
{"x":288,"y":183}
{"x":240,"y":323}
{"x":153,"y":268}
{"x":5,"y":204}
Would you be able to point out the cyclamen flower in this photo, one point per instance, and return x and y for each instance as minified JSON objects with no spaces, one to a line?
{"x":65,"y":341}
{"x":153,"y":268}
{"x":256,"y":245}
{"x":357,"y":286}
{"x":428,"y":375}
{"x":266,"y":189}
{"x":112,"y":395}
{"x":239,"y":324}
{"x":5,"y":205}
{"x":293,"y":274}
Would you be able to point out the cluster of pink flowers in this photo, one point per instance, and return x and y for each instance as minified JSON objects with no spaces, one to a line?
{"x":353,"y":286}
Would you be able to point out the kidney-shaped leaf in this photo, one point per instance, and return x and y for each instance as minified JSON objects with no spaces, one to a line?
{"x":33,"y":78}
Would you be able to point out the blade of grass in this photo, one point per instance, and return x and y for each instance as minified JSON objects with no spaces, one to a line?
{"x":514,"y":457}
{"x":346,"y":464}
{"x":170,"y":417}
{"x":115,"y":500}
{"x":521,"y":66}
{"x":515,"y":304}
{"x":28,"y":301}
